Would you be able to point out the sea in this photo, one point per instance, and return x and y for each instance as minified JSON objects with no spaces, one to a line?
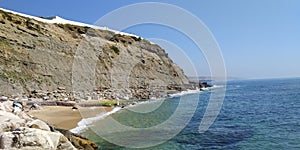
{"x":255,"y":115}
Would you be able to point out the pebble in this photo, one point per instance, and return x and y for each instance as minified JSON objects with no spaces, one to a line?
{"x":4,"y":98}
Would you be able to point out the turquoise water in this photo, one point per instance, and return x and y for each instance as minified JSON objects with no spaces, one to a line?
{"x":256,"y":114}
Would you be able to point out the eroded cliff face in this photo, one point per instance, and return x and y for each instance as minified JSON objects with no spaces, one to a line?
{"x":87,"y":62}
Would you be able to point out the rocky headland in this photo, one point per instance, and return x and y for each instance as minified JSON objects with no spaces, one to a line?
{"x":43,"y":62}
{"x":37,"y":58}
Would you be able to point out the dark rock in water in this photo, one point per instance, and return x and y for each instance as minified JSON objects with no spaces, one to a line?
{"x":204,"y":85}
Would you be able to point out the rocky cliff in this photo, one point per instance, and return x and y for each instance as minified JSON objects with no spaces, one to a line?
{"x":89,"y":63}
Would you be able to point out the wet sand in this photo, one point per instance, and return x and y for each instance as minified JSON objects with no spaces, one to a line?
{"x":65,"y":117}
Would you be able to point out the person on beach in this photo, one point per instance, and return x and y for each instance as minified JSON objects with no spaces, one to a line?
{"x":34,"y":107}
{"x":17,"y":107}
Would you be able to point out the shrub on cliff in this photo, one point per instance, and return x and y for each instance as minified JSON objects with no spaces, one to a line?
{"x":115,"y":49}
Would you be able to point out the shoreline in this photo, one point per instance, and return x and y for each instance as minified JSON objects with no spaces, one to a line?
{"x":65,"y":117}
{"x":77,"y":120}
{"x":85,"y":122}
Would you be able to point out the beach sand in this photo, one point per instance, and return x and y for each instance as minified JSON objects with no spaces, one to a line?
{"x":65,"y":117}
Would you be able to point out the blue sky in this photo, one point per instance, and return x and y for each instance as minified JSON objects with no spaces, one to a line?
{"x":258,"y":38}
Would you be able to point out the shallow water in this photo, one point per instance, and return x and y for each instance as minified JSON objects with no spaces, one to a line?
{"x":256,"y":114}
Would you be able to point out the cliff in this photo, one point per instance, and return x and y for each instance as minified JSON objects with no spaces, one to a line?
{"x":84,"y":62}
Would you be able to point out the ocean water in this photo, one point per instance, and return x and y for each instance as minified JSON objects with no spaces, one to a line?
{"x":256,"y":114}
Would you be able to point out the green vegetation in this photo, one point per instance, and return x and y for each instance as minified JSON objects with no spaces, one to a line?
{"x":109,"y":103}
{"x":115,"y":49}
{"x":146,"y":41}
{"x":139,"y":38}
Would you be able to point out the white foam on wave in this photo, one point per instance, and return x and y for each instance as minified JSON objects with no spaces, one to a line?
{"x":217,"y":86}
{"x":195,"y":91}
{"x":184,"y":93}
{"x":213,"y":87}
{"x":84,"y":123}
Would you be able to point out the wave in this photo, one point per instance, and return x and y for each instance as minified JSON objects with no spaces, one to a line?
{"x":187,"y":92}
{"x":184,"y":93}
{"x":84,"y":123}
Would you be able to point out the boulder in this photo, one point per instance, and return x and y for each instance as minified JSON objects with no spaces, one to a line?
{"x":30,"y":138}
{"x":3,"y":98}
{"x":38,"y":124}
{"x":6,"y":106}
{"x":9,"y":121}
{"x":61,"y":88}
{"x":79,"y":141}
{"x":25,"y":116}
{"x":17,"y":110}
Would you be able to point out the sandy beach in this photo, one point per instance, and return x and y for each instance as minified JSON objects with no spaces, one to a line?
{"x":65,"y":117}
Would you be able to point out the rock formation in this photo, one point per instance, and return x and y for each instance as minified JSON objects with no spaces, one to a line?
{"x":20,"y":131}
{"x":90,"y":63}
